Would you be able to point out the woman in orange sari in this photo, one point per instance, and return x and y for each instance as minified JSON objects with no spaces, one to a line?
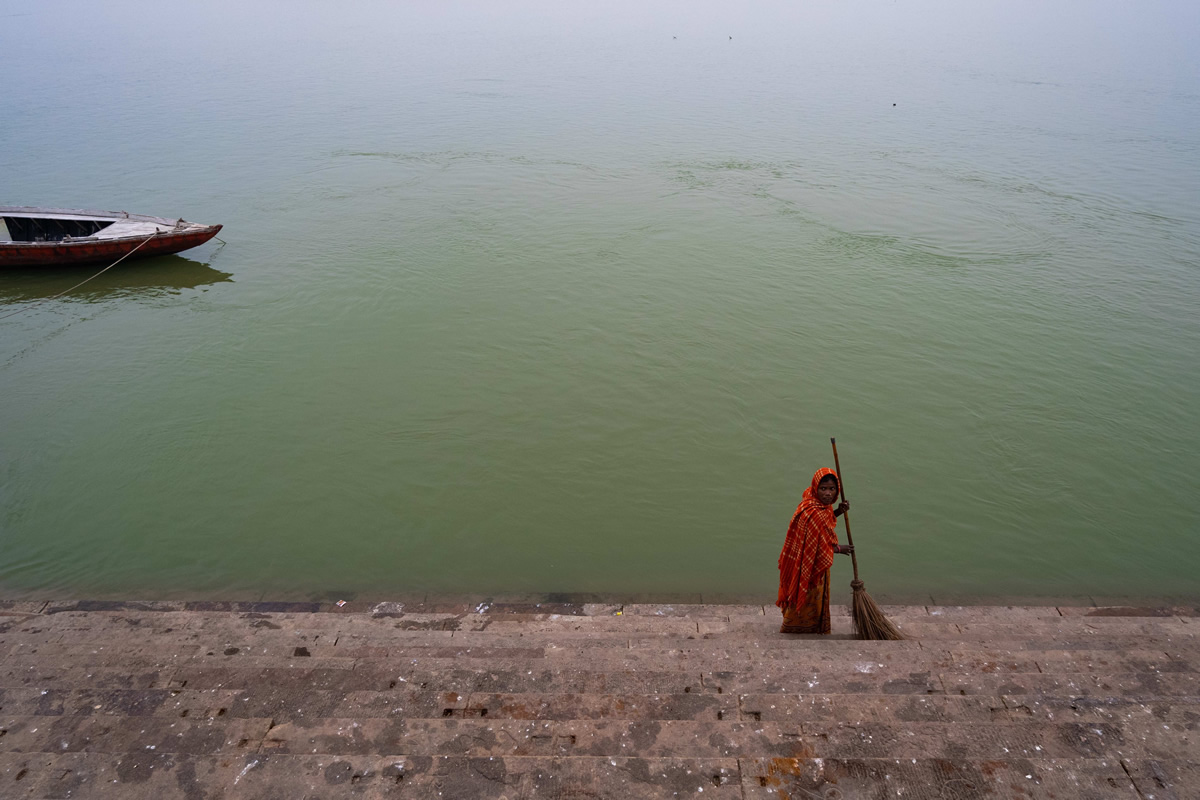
{"x":807,"y":556}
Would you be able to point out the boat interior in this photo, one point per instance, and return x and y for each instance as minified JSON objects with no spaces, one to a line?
{"x":37,"y":229}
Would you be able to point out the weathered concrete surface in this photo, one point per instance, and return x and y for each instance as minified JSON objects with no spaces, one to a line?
{"x":592,"y":700}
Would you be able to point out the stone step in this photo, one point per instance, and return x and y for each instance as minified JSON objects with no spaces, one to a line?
{"x":108,"y":777}
{"x":117,"y":702}
{"x":110,"y":734}
{"x":1137,"y":684}
{"x":723,"y":739}
{"x":303,"y":611}
{"x":458,"y":679}
{"x":26,"y":659}
{"x":696,"y":611}
{"x":1074,"y":628}
{"x":274,"y":775}
{"x":100,"y":627}
{"x":1133,"y":738}
{"x":1178,"y":713}
{"x":59,"y":676}
{"x":271,"y":701}
{"x":475,"y":614}
{"x":604,"y":700}
{"x":809,"y":778}
{"x":844,"y":641}
{"x":750,"y":660}
{"x":752,"y":651}
{"x":388,"y":643}
{"x":466,"y":676}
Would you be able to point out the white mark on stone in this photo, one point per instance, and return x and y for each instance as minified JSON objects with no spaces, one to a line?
{"x":246,"y":769}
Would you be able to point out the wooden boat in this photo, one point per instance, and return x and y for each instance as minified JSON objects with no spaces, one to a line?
{"x":61,"y":236}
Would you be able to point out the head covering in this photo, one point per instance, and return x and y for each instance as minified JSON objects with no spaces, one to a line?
{"x":808,"y":548}
{"x":820,"y":475}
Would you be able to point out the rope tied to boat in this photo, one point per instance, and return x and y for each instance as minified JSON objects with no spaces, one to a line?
{"x":81,"y":283}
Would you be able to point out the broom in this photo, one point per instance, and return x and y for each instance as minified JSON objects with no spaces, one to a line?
{"x":869,"y":621}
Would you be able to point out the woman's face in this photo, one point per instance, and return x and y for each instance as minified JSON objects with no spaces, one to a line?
{"x":827,"y":491}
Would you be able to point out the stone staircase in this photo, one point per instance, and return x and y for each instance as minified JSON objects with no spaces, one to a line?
{"x":592,"y":700}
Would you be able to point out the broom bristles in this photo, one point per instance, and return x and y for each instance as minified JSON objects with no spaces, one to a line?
{"x":869,"y":621}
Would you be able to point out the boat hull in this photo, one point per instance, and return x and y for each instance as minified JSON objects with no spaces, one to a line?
{"x":85,"y":251}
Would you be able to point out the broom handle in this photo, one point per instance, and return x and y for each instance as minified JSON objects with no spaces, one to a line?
{"x":846,"y":517}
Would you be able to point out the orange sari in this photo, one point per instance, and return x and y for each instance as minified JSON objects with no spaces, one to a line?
{"x":804,"y":564}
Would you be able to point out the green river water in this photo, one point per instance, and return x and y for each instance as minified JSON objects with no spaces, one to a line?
{"x":570,"y":297}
